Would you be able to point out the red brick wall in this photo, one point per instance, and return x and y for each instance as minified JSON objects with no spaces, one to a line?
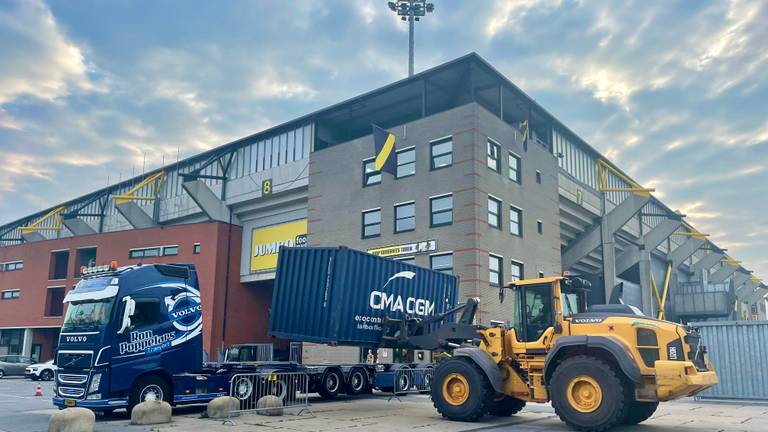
{"x":248,"y":307}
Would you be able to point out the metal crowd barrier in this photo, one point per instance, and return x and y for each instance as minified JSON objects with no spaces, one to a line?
{"x":410,"y":381}
{"x":292,"y":388}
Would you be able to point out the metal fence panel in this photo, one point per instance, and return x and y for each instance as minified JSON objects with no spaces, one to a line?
{"x":407,"y":380}
{"x":292,"y":388}
{"x":739,"y":352}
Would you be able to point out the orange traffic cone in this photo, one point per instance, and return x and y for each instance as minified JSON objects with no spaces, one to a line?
{"x":38,"y":390}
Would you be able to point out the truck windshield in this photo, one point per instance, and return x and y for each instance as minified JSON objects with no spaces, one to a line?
{"x":88,"y":313}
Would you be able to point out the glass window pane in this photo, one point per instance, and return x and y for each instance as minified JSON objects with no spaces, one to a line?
{"x":372,"y":217}
{"x":442,"y":203}
{"x":443,"y":263}
{"x":441,"y":161}
{"x":442,"y":218}
{"x":405,"y":210}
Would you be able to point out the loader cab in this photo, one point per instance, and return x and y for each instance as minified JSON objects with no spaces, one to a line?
{"x":541,"y":304}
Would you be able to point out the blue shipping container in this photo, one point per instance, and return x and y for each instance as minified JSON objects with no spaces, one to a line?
{"x":340,"y":295}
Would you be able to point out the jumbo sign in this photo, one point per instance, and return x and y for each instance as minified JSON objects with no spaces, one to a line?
{"x":266,"y":242}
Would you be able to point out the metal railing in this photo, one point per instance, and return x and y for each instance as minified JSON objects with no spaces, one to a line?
{"x":292,"y":388}
{"x":410,"y":381}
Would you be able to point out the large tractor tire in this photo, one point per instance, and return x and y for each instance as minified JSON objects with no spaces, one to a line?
{"x":588,"y":394}
{"x":460,"y":390}
{"x":505,"y":406}
{"x":639,"y":412}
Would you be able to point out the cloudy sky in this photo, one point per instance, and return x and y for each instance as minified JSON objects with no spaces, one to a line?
{"x":674,"y":92}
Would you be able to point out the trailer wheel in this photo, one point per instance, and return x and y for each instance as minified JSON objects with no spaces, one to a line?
{"x":460,"y":390}
{"x":243,"y":388}
{"x":148,"y":388}
{"x":506,"y":406}
{"x":588,"y":394}
{"x":357,"y":383}
{"x":639,"y":412}
{"x":330,"y":385}
{"x":404,"y":377}
{"x":426,"y":381}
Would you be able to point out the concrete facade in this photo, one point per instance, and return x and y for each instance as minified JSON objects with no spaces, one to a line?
{"x":338,"y":198}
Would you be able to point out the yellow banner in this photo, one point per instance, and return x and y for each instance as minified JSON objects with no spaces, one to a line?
{"x":266,"y":242}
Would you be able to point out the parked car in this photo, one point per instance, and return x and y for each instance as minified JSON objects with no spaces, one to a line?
{"x":13,"y":365}
{"x":41,"y":371}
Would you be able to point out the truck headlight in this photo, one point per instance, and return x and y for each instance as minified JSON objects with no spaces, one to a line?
{"x":94,"y":396}
{"x":95,"y":381}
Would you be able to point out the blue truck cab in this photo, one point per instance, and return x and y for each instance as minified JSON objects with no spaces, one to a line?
{"x":133,"y":334}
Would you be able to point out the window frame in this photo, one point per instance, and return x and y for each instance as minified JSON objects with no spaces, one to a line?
{"x":433,"y":156}
{"x":432,"y":213}
{"x":8,"y":294}
{"x":398,"y":165}
{"x":441,"y":254}
{"x":371,"y":174}
{"x":539,"y":226}
{"x":538,"y":177}
{"x":520,"y":265}
{"x":491,"y":143}
{"x":499,"y":273}
{"x":519,"y":177}
{"x":196,"y":248}
{"x":396,"y":218}
{"x":498,"y":214}
{"x":516,"y":210}
{"x":364,"y":225}
{"x":133,"y":252}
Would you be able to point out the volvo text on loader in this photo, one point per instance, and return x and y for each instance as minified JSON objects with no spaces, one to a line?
{"x":601,"y":367}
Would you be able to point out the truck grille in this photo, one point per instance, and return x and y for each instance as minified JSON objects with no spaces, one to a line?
{"x":71,"y":392}
{"x":74,"y":360}
{"x":72,"y":379}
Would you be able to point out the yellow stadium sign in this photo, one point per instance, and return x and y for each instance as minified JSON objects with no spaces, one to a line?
{"x":266,"y":242}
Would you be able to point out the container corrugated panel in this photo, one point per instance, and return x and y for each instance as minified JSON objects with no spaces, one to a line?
{"x":340,"y":295}
{"x":739,"y":352}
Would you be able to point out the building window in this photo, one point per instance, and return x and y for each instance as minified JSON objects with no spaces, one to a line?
{"x":441,"y":153}
{"x":541,"y":274}
{"x":494,"y":269}
{"x":405,"y":217}
{"x":370,"y":175}
{"x":516,"y":221}
{"x":514,"y":167}
{"x":540,"y":227}
{"x":371,"y":223}
{"x":146,"y":313}
{"x":494,"y":212}
{"x":538,"y":176}
{"x":86,"y":257}
{"x":152,"y":252}
{"x":11,"y":294}
{"x":442,"y":262}
{"x":59,"y":265}
{"x":406,"y":162}
{"x":441,"y":210}
{"x":408,"y":260}
{"x":196,"y":248}
{"x":12,"y":341}
{"x":493,"y":156}
{"x":516,"y":271}
{"x":11,"y":266}
{"x":54,"y":302}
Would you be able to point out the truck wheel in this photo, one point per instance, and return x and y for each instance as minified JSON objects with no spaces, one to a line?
{"x":639,"y":412}
{"x":404,"y":380}
{"x":460,"y":390}
{"x":357,"y":383}
{"x":149,"y":387}
{"x":506,"y":406}
{"x":588,"y":394}
{"x":330,"y":386}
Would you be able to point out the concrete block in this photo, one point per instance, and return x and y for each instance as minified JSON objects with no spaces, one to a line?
{"x":151,"y":412}
{"x":72,"y":420}
{"x":222,"y":406}
{"x":270,"y":406}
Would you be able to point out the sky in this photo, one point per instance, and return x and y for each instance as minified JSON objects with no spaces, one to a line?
{"x":673,"y":92}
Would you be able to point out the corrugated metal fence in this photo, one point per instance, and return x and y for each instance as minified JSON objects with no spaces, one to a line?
{"x":739,"y":352}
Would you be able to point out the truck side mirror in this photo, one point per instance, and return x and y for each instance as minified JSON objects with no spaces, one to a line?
{"x":130,"y":307}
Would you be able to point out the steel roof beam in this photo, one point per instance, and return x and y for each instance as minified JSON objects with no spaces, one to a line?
{"x":722,"y":273}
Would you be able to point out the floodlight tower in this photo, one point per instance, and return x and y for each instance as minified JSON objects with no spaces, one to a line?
{"x":411,"y":11}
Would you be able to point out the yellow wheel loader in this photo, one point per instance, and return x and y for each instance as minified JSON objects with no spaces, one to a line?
{"x":602,"y":366}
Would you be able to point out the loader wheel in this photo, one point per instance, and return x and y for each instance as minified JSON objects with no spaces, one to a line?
{"x":506,"y":406}
{"x":588,"y":394}
{"x":639,"y":412}
{"x":460,"y":390}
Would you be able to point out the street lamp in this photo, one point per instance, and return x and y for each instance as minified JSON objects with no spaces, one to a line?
{"x":411,"y":11}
